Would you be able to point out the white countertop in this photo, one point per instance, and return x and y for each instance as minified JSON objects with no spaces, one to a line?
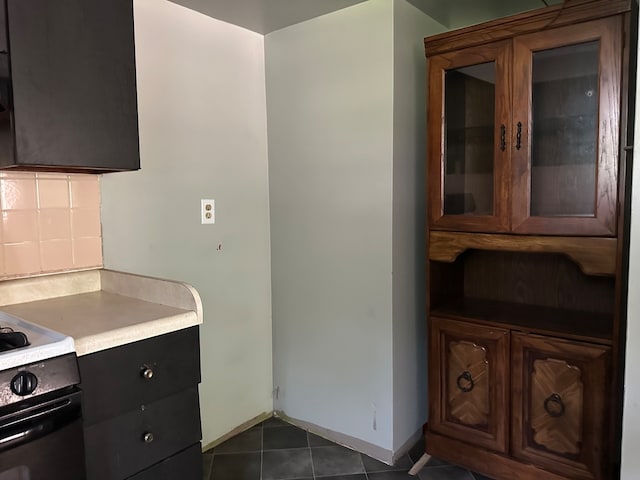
{"x":102,"y":309}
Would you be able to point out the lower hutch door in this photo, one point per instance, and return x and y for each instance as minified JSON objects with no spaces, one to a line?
{"x":559,"y":402}
{"x":468,"y":382}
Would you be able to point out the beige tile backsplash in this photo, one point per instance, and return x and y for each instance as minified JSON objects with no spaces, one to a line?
{"x":49,"y":222}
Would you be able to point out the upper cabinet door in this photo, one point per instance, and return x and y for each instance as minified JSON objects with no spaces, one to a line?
{"x":469,"y":111}
{"x":565,"y":129}
{"x":73,"y":82}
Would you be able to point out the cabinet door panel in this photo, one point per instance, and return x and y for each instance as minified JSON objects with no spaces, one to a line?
{"x":469,"y":101}
{"x":469,"y":382}
{"x":559,"y":404}
{"x":74,"y":84}
{"x":566,"y":128}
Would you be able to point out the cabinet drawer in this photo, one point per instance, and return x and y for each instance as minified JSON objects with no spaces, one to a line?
{"x":114,"y":380}
{"x":121,"y":447}
{"x":186,"y":465}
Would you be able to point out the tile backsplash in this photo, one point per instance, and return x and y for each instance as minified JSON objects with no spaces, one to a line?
{"x":49,"y":222}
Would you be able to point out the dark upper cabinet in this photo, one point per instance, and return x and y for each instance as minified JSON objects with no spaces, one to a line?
{"x":68,"y":86}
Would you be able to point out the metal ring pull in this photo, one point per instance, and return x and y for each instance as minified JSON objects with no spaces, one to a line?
{"x":554,"y":405}
{"x":503,"y":137}
{"x":465,"y":377}
{"x":519,"y":136}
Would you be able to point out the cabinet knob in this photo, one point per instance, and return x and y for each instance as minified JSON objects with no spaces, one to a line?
{"x":147,"y":372}
{"x":147,"y":437}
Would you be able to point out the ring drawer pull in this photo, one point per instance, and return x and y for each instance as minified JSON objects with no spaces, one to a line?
{"x":147,"y":372}
{"x":147,"y":437}
{"x":465,"y":377}
{"x":554,"y":405}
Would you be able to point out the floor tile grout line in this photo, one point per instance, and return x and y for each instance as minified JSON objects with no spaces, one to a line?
{"x":313,"y":470}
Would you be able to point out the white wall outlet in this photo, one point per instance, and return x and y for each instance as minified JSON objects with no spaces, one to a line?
{"x":207,"y":211}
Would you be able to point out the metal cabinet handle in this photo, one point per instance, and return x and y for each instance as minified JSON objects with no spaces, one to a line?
{"x":519,"y":136}
{"x":147,"y":372}
{"x":147,"y":437}
{"x":554,"y":405}
{"x":503,"y":137}
{"x":465,"y":382}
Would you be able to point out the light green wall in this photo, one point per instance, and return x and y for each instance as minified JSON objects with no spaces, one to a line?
{"x":330,"y":110}
{"x":202,"y":122}
{"x":410,"y":26}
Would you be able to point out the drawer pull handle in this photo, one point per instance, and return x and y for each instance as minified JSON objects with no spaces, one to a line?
{"x":465,"y":382}
{"x":554,"y":405}
{"x":147,"y":372}
{"x":147,"y":437}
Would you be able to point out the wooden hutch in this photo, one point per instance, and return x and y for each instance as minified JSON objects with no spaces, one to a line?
{"x":527,"y":233}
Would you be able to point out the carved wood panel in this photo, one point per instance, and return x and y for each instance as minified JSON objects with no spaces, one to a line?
{"x":556,"y":406}
{"x":468,"y":383}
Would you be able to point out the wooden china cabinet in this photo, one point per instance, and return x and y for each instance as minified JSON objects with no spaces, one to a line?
{"x":527,"y":239}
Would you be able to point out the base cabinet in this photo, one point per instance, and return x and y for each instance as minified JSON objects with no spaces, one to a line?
{"x":141,"y":409}
{"x":532,"y":398}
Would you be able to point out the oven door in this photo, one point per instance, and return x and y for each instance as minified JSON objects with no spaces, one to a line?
{"x":43,"y":440}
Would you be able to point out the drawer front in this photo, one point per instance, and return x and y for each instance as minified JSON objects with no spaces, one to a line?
{"x":117,"y":380}
{"x":186,"y":465}
{"x":122,"y":446}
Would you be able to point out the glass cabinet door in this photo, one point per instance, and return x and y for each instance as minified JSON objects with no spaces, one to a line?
{"x":468,"y":154}
{"x":565,"y":130}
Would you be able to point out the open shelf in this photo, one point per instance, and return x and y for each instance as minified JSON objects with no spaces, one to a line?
{"x":584,"y":326}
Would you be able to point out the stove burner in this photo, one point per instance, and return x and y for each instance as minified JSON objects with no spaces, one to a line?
{"x":10,"y":340}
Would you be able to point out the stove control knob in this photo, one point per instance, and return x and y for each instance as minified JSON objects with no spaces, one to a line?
{"x":24,"y":383}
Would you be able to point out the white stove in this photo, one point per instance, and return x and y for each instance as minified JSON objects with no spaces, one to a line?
{"x":43,"y":343}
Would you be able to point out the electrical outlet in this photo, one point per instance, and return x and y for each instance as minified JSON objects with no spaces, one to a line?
{"x":207,"y":211}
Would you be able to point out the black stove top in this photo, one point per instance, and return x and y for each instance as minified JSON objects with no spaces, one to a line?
{"x":10,"y":339}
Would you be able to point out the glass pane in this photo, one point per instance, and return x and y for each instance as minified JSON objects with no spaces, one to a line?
{"x":565,"y":131}
{"x":469,"y":131}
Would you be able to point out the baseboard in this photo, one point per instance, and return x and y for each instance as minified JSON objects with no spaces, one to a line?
{"x":239,"y":429}
{"x":374,"y":451}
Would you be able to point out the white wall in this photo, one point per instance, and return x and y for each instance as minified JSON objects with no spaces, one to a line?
{"x":410,"y":26}
{"x":202,"y":114}
{"x":330,"y":109}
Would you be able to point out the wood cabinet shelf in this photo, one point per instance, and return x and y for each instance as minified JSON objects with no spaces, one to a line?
{"x":575,"y":325}
{"x":594,"y":255}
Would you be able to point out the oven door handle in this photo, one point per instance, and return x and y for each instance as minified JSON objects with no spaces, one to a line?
{"x":38,"y":423}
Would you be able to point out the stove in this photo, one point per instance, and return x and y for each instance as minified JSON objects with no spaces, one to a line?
{"x":40,"y":404}
{"x":42,"y":343}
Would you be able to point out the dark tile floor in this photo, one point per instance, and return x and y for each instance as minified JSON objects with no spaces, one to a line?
{"x":276,"y":450}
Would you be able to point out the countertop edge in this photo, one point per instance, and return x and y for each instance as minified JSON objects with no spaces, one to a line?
{"x":142,"y":331}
